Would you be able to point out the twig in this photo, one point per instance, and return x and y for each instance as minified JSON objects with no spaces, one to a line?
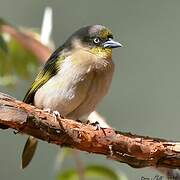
{"x":137,"y":151}
{"x":30,"y":43}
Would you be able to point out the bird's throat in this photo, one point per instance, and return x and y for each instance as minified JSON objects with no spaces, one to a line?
{"x":105,"y":53}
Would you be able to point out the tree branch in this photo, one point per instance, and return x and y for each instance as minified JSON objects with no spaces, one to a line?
{"x":41,"y":51}
{"x":137,"y":151}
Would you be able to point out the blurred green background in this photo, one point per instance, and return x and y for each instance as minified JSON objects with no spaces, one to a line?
{"x":145,"y":93}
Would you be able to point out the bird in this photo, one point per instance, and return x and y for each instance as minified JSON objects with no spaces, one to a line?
{"x":74,"y":79}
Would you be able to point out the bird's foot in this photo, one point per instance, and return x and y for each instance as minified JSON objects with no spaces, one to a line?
{"x":96,"y":124}
{"x":56,"y":115}
{"x":57,"y":118}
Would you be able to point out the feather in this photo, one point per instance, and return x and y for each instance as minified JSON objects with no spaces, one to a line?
{"x":50,"y":69}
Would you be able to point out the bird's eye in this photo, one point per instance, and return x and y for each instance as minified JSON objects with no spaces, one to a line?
{"x":96,"y":40}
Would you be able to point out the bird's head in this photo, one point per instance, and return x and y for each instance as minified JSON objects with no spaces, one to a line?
{"x":96,"y":38}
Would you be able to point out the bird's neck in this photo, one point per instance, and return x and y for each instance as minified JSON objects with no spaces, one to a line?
{"x":90,"y":59}
{"x":105,"y":53}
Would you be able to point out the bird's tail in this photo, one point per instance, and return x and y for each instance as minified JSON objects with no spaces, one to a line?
{"x":29,"y":150}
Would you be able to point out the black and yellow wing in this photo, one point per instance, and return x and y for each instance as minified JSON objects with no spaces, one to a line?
{"x":50,"y":69}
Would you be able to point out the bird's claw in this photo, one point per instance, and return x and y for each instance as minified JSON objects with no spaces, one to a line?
{"x":56,"y":115}
{"x":96,"y":124}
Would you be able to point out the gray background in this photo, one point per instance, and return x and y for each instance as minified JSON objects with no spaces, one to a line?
{"x":144,"y":96}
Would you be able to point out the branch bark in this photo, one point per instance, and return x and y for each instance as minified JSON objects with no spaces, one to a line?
{"x":137,"y":151}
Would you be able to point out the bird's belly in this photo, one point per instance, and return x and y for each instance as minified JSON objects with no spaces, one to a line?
{"x":74,"y":95}
{"x":63,"y":94}
{"x":97,"y":90}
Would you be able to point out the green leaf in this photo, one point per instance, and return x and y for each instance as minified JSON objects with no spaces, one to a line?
{"x":15,"y":61}
{"x":8,"y":81}
{"x":68,"y":175}
{"x":3,"y":45}
{"x":101,"y":171}
{"x":92,"y":172}
{"x":24,"y":63}
{"x":2,"y":21}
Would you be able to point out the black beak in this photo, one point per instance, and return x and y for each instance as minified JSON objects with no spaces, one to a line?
{"x":112,"y":44}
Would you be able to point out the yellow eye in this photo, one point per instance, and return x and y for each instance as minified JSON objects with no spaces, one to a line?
{"x":96,"y":40}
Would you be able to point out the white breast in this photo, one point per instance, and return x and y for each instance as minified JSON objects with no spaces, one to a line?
{"x":76,"y":89}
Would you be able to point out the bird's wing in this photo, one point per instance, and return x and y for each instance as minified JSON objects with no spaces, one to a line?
{"x":49,"y":70}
